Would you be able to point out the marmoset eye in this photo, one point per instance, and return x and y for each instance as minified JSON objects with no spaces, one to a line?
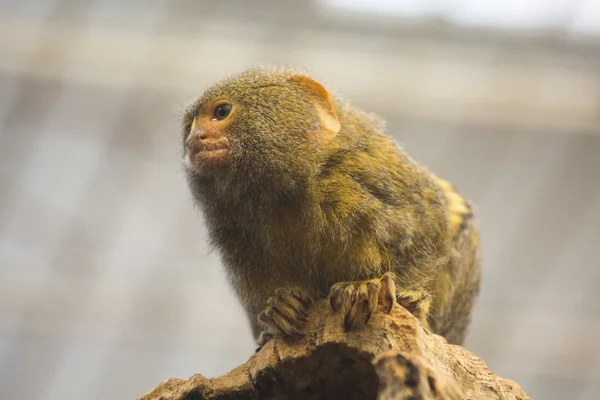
{"x":222,"y":111}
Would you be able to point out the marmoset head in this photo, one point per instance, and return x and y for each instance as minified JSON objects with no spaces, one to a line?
{"x":257,"y":121}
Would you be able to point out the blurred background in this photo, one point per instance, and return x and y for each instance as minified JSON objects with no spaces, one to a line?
{"x":107,"y":285}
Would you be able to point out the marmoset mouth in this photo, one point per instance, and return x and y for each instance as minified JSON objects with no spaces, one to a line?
{"x":208,"y":155}
{"x":207,"y":146}
{"x":214,"y":155}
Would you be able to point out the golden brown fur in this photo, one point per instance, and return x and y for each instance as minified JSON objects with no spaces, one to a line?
{"x":296,"y":208}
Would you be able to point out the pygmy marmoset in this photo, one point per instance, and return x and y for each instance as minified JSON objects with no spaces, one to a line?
{"x":304,"y":195}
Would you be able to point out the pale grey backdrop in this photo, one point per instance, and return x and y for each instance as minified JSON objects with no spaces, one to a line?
{"x":106,"y":283}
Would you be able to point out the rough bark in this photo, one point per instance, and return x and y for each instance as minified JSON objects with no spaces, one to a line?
{"x":393,"y":357}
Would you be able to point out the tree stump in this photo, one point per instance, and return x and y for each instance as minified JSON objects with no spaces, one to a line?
{"x":392,"y":357}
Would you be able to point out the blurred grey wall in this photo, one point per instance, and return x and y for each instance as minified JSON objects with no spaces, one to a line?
{"x":107,"y":285}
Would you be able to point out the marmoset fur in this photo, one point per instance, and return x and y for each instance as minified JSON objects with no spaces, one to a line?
{"x":305,"y":196}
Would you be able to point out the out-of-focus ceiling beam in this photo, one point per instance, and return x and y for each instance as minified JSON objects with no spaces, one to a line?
{"x":506,"y":85}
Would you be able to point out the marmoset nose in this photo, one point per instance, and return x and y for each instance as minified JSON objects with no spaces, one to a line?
{"x":207,"y":134}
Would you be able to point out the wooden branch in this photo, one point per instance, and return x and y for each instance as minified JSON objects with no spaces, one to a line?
{"x":393,"y":357}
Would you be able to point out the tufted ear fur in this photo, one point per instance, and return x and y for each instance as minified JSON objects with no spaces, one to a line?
{"x":323,"y":105}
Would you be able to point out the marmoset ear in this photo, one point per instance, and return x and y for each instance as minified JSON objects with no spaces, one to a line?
{"x":323,"y":105}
